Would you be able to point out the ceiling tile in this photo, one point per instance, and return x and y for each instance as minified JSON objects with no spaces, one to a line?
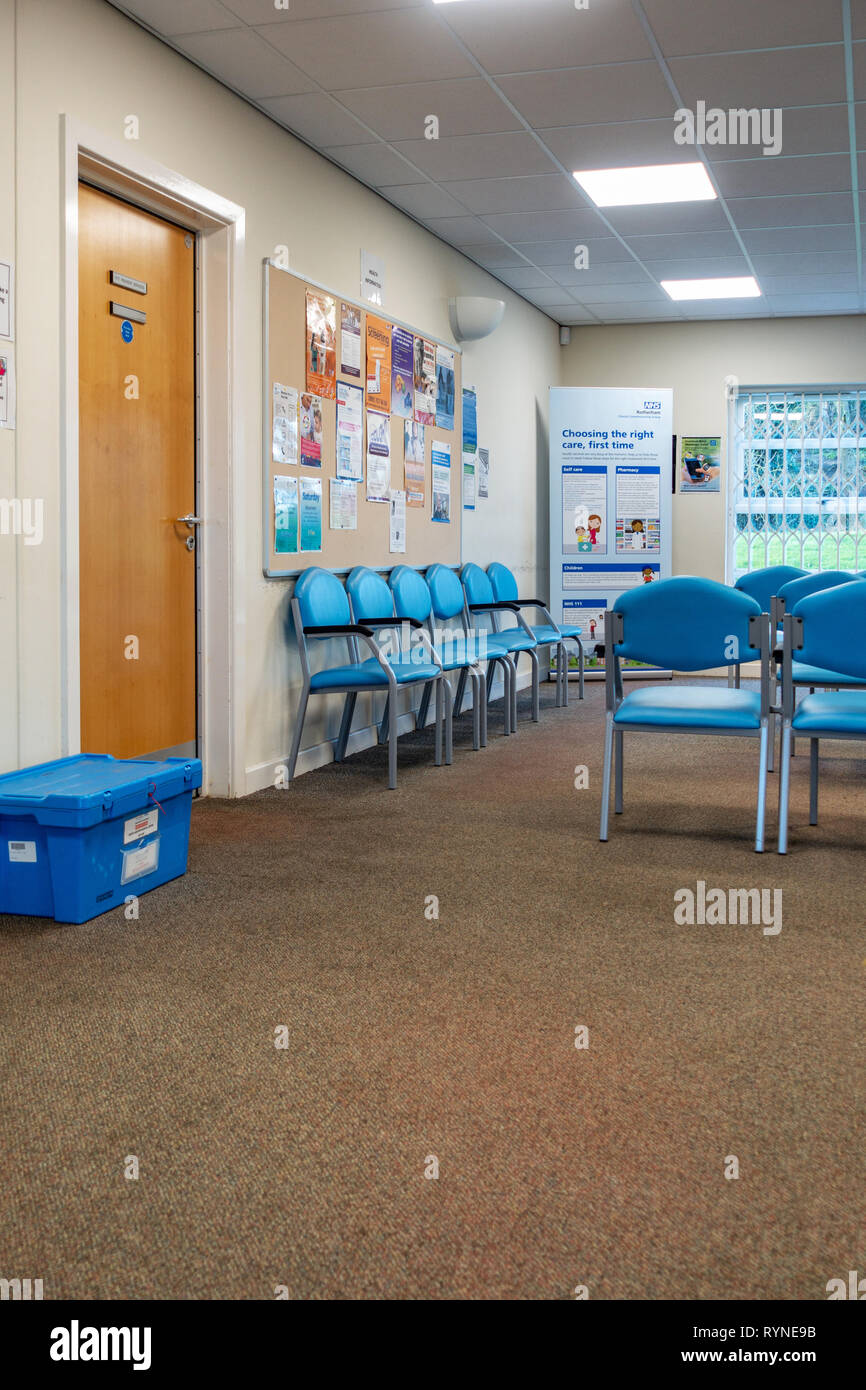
{"x":241,"y":59}
{"x":602,"y":250}
{"x":545,"y":226}
{"x":375,"y":164}
{"x":527,"y":277}
{"x":646,"y":292}
{"x":318,"y":118}
{"x":828,"y":173}
{"x":543,"y":297}
{"x":667,"y":217}
{"x":809,"y":209}
{"x":707,"y":26}
{"x":800,"y":240}
{"x":263,"y":11}
{"x":549,"y":34}
{"x":423,"y":200}
{"x":192,"y":17}
{"x":494,"y":257}
{"x":765,"y":79}
{"x":699,"y":268}
{"x":858,"y":19}
{"x":633,"y":313}
{"x":535,"y":193}
{"x":815,"y":303}
{"x":477,"y":156}
{"x":464,"y":106}
{"x":589,"y":96}
{"x":805,"y":130}
{"x":804,"y":262}
{"x":569,"y":314}
{"x":605,"y":273}
{"x":367,"y":50}
{"x":463,"y":231}
{"x":672,"y":246}
{"x":859,"y":56}
{"x":815,"y":284}
{"x":619,"y":144}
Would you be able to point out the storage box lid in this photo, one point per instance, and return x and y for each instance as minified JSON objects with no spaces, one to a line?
{"x":97,"y":784}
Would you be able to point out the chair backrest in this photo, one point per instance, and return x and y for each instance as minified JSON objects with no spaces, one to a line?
{"x":834,"y":628}
{"x":322,"y":599}
{"x":764,"y":584}
{"x":503,"y":582}
{"x":446,"y":592}
{"x":688,"y":624}
{"x":478,"y":587}
{"x":792,"y":592}
{"x":411,"y":594}
{"x":370,"y":595}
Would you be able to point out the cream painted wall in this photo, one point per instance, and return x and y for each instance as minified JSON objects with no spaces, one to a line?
{"x":695,"y":359}
{"x":8,"y":480}
{"x":82,"y":58}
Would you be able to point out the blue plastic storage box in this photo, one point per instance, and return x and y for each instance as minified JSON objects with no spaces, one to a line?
{"x":80,"y":835}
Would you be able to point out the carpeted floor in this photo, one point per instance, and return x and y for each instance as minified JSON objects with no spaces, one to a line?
{"x":411,"y":1038}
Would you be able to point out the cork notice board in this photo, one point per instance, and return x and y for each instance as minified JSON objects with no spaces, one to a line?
{"x":284,"y":358}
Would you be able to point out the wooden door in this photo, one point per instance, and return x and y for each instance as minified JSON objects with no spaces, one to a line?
{"x":137,"y":574}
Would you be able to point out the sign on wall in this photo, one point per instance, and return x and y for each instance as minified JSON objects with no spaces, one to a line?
{"x":610,"y":500}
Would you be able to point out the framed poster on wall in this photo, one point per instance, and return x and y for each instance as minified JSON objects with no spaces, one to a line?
{"x":610,"y":503}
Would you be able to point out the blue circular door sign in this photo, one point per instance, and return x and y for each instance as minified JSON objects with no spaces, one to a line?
{"x":126,"y":331}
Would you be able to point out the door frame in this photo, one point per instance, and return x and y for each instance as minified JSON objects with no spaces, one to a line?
{"x":115,"y":167}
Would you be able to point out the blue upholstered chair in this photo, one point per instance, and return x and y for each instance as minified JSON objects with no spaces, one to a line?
{"x":546,"y":634}
{"x":413,"y":602}
{"x":320,"y":610}
{"x":764,"y":585}
{"x":656,"y":624}
{"x":481,"y":600}
{"x":449,"y":605}
{"x":804,"y":673}
{"x":827,"y":631}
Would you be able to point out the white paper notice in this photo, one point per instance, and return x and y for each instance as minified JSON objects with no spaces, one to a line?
{"x":7,"y":295}
{"x":350,"y":431}
{"x":284,"y":448}
{"x":344,"y":504}
{"x":398,"y":523}
{"x":378,"y":458}
{"x":483,"y":472}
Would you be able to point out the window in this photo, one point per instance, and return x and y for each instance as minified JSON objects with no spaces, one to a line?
{"x":797,"y":479}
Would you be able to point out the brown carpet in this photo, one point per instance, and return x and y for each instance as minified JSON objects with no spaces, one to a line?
{"x":409,"y":1037}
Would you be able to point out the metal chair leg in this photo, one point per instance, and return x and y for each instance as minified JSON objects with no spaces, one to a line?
{"x":461,"y":691}
{"x":392,"y":741}
{"x":385,"y":722}
{"x":813,"y":781}
{"x":766,"y":734}
{"x":533,"y":657}
{"x":618,"y":761}
{"x":581,"y":666}
{"x":448,"y":719}
{"x":345,"y":726}
{"x":784,"y":787}
{"x":605,"y":781}
{"x":299,"y":729}
{"x":439,"y":720}
{"x":424,"y":707}
{"x":476,"y":708}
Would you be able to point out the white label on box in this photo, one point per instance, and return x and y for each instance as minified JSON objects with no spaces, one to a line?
{"x":138,"y":862}
{"x":139,"y":826}
{"x":22,"y":851}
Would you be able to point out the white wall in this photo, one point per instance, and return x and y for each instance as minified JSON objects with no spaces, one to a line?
{"x":8,"y":479}
{"x":82,"y":58}
{"x":695,"y":359}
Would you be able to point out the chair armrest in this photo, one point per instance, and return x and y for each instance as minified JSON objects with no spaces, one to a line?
{"x":340,"y":630}
{"x":532,"y":602}
{"x":392,"y":622}
{"x":494,"y":607}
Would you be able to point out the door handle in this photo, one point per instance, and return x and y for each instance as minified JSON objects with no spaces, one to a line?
{"x":190,"y":520}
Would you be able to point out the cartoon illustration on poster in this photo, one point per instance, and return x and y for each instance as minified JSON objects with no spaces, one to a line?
{"x":402,"y":392}
{"x":378,"y":366}
{"x":425,"y":382}
{"x":321,"y":345}
{"x":311,"y":431}
{"x":584,"y":508}
{"x":638,"y":504}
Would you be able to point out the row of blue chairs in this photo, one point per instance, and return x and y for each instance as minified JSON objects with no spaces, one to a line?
{"x":825,"y":627}
{"x":416,"y":653}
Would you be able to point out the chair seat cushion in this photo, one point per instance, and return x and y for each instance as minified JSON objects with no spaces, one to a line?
{"x":545,"y":634}
{"x":368,"y":675}
{"x":689,"y":707}
{"x":569,"y":630}
{"x":816,"y":675}
{"x":831,"y":712}
{"x":512,"y":639}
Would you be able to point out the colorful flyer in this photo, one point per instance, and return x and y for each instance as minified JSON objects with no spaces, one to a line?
{"x":285,"y":515}
{"x":378,"y":458}
{"x":311,"y":513}
{"x":350,"y":431}
{"x":397,"y":519}
{"x":444,"y":389}
{"x":441,"y":480}
{"x":350,"y":340}
{"x":469,"y":482}
{"x":378,"y":366}
{"x":321,"y":345}
{"x":638,"y":507}
{"x":584,"y":509}
{"x":284,"y":430}
{"x":413,"y":467}
{"x":344,"y":504}
{"x":701,"y":469}
{"x":483,"y":472}
{"x":402,"y":393}
{"x":311,"y":431}
{"x":470,"y":420}
{"x":425,"y":382}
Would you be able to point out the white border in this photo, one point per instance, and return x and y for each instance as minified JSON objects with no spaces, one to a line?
{"x":116,"y":166}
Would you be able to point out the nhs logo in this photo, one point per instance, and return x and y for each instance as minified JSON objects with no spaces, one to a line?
{"x":652,"y":405}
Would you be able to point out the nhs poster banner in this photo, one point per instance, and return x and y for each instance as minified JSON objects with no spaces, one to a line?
{"x":610,"y":500}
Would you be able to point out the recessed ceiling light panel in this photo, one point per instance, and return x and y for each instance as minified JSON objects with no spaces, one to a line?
{"x":648,"y":183}
{"x":731,"y":287}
